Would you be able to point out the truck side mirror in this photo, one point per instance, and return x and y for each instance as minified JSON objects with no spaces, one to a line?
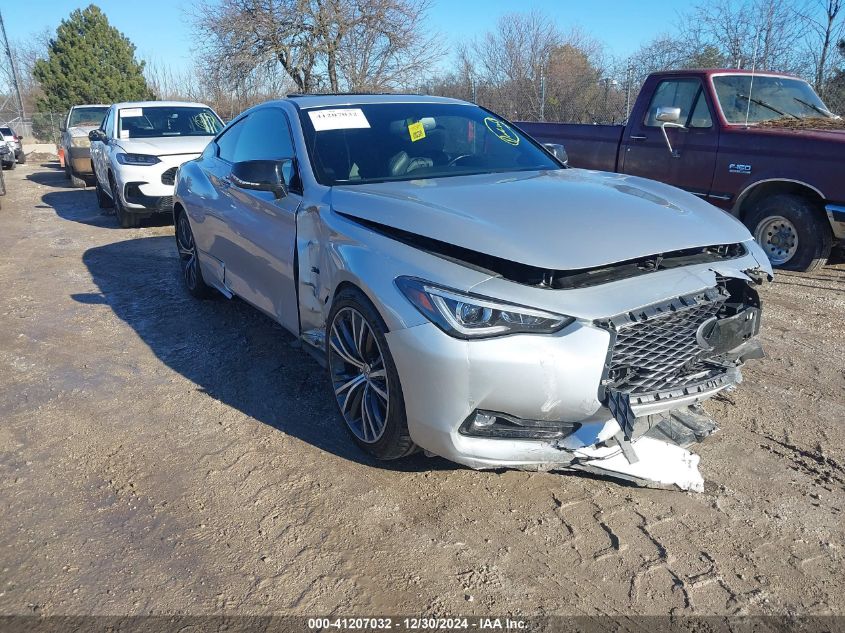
{"x":558,"y":151}
{"x":668,"y":117}
{"x":666,"y":114}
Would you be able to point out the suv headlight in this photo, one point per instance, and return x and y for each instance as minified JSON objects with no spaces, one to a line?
{"x":468,"y":316}
{"x":80,"y":141}
{"x":137,"y":159}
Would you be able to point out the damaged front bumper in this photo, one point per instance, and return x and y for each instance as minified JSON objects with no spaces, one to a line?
{"x":618,"y":396}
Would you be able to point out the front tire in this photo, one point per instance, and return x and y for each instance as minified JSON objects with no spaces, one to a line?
{"x":126,"y":219}
{"x":103,"y":199}
{"x":188,"y":258}
{"x":22,"y":159}
{"x":364,"y":378}
{"x":792,"y":231}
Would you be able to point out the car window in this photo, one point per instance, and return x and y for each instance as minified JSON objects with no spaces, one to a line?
{"x":92,"y":116}
{"x":163,"y":121}
{"x":107,"y":125}
{"x":227,"y":141}
{"x":414,"y":141}
{"x":672,"y":93}
{"x":266,"y":136}
{"x":5,"y":131}
{"x":700,"y":117}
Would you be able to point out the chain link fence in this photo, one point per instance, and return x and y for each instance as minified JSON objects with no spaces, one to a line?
{"x":39,"y":127}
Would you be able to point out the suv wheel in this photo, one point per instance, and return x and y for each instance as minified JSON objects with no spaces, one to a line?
{"x":22,"y":158}
{"x":364,"y":378}
{"x":792,"y":231}
{"x":126,"y":219}
{"x":103,"y":199}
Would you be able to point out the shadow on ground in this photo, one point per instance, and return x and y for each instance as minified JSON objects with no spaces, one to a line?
{"x":229,"y":350}
{"x":80,"y":205}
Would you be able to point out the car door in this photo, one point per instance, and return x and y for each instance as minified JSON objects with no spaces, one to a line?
{"x":691,"y":167}
{"x":259,"y":236}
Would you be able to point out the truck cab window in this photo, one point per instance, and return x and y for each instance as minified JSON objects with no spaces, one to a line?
{"x":685,"y":94}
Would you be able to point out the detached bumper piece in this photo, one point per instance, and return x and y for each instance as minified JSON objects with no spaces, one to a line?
{"x":657,"y":456}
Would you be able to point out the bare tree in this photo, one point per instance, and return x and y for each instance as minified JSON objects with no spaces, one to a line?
{"x":825,"y":27}
{"x":320,"y":44}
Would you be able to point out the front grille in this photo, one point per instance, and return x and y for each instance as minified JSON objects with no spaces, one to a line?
{"x":656,"y":348}
{"x":169,"y":177}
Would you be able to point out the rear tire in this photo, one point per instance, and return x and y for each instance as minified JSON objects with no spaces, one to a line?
{"x":792,"y":231}
{"x":22,"y":159}
{"x":360,"y":363}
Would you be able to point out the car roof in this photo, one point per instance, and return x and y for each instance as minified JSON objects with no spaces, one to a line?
{"x":306,"y":101}
{"x":91,"y":105}
{"x":152,"y":104}
{"x":709,"y":72}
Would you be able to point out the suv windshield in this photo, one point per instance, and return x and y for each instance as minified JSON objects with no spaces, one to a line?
{"x":87,"y":116}
{"x":155,"y":121}
{"x":414,"y":141}
{"x":770,"y":98}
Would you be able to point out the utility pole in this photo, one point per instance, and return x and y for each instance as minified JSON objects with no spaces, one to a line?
{"x":14,"y":68}
{"x":542,"y":96}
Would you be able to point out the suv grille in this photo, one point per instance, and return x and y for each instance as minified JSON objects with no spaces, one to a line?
{"x":169,"y":177}
{"x":656,"y":348}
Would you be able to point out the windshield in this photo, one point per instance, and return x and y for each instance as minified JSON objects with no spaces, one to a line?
{"x":6,"y":131}
{"x":87,"y":116}
{"x":770,"y":98}
{"x":414,"y":141}
{"x":156,"y":121}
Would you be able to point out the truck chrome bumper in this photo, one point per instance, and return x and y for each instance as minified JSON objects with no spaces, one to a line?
{"x":836,"y":216}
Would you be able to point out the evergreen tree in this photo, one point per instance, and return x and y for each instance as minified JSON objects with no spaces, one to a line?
{"x":89,"y":61}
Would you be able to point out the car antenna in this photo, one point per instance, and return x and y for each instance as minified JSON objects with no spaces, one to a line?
{"x":753,"y":69}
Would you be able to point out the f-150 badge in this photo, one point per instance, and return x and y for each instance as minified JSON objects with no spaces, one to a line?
{"x":739,"y":168}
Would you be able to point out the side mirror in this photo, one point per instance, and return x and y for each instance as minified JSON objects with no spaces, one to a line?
{"x":97,"y":135}
{"x":558,"y":151}
{"x":667,"y":115}
{"x":262,"y":175}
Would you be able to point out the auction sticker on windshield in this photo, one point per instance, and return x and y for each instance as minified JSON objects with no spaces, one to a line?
{"x":502,"y":130}
{"x":131,"y":112}
{"x":338,"y":119}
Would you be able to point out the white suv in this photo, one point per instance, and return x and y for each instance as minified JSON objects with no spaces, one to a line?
{"x":137,"y":150}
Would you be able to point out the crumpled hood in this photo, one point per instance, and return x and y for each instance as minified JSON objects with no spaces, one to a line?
{"x":165,"y":145}
{"x":562,"y":219}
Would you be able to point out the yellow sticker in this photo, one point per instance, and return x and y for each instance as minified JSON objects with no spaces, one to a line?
{"x":502,"y":130}
{"x":417,"y":131}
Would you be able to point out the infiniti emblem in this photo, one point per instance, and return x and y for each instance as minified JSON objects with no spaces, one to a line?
{"x":705,"y":332}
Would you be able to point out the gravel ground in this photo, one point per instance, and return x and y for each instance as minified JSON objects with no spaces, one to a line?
{"x":164,"y":455}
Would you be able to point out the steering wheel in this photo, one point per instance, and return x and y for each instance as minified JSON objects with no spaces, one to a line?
{"x":457,"y":158}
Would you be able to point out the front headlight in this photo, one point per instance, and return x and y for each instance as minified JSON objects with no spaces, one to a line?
{"x":137,"y":159}
{"x":468,"y":316}
{"x":80,"y":141}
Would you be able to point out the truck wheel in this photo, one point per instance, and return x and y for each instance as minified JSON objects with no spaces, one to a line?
{"x":22,"y":159}
{"x":792,"y":231}
{"x":364,"y":378}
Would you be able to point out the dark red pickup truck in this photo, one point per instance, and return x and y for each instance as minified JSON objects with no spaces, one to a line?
{"x":765,"y":149}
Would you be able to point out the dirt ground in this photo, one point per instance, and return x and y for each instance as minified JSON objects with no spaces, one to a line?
{"x":164,"y":455}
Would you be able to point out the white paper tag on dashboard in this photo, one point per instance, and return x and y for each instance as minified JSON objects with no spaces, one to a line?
{"x":130,"y":112}
{"x":338,"y":119}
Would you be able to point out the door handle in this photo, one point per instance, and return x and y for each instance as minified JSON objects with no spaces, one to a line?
{"x":638,"y":138}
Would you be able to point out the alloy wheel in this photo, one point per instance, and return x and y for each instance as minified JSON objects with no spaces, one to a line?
{"x":778,"y":237}
{"x":359,"y":375}
{"x":187,"y":251}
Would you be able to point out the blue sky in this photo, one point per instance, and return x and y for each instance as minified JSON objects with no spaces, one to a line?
{"x":160,"y":28}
